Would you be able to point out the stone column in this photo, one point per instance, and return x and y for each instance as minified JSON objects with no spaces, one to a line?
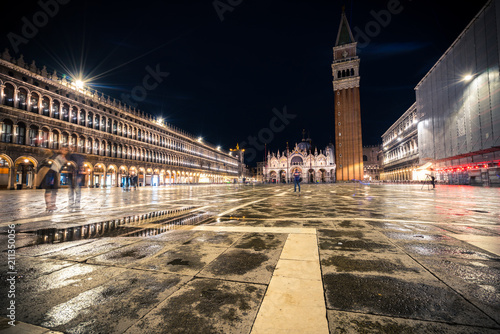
{"x":14,"y":133}
{"x":12,"y":177}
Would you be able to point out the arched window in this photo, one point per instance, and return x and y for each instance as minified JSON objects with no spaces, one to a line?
{"x":33,"y":135}
{"x":7,"y":131}
{"x":74,"y":115}
{"x":44,"y":140}
{"x":109,"y":128}
{"x":339,"y":74}
{"x":352,"y":72}
{"x":96,"y":147}
{"x":82,"y":117}
{"x":365,"y":158}
{"x":115,"y":128}
{"x":103,"y":124}
{"x":65,"y":139}
{"x":65,"y":112}
{"x":88,"y":149}
{"x":343,"y":73}
{"x":55,"y":140}
{"x":74,"y":141}
{"x":21,"y":134}
{"x":90,"y":117}
{"x":45,"y":106}
{"x":8,"y":93}
{"x":34,"y":102}
{"x":22,"y":97}
{"x":97,"y":123}
{"x":81,"y":145}
{"x":55,"y":109}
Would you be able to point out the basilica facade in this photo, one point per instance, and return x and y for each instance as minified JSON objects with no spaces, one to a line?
{"x":313,"y":165}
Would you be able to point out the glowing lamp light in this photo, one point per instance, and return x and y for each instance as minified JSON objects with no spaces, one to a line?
{"x":79,"y":84}
{"x":26,"y":160}
{"x":468,"y":77}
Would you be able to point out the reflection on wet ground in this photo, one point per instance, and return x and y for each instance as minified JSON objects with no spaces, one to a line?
{"x":143,"y":225}
{"x":201,"y":259}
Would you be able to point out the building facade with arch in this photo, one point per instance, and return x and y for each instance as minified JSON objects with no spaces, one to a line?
{"x":400,"y":149}
{"x":317,"y":167}
{"x":40,"y":112}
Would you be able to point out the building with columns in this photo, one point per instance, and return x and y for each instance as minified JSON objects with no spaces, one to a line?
{"x":401,"y":161}
{"x":41,"y":111}
{"x":313,"y":165}
{"x":345,"y":71}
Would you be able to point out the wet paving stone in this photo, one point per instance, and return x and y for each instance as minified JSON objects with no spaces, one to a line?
{"x":115,"y":305}
{"x":478,"y":281}
{"x":129,"y":255}
{"x":44,"y":249}
{"x":417,"y":236}
{"x":459,"y":250}
{"x":372,"y":263}
{"x":46,"y":292}
{"x":205,"y":306}
{"x":97,"y":247}
{"x":354,"y":323}
{"x":354,"y":241}
{"x":216,"y":239}
{"x":243,"y":265}
{"x":395,"y":297}
{"x":261,"y":241}
{"x":185,"y":260}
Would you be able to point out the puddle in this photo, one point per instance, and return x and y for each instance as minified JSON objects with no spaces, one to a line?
{"x":151,"y":223}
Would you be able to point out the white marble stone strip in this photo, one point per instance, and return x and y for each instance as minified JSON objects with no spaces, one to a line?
{"x":294,"y":301}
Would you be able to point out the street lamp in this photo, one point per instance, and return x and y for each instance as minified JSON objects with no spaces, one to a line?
{"x":468,"y":77}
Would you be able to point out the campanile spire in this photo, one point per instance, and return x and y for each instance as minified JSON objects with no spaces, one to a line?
{"x":345,"y":72}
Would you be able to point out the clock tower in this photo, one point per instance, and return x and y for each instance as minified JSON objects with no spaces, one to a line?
{"x":345,"y":71}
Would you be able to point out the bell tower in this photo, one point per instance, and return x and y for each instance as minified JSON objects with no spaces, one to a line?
{"x":345,"y":71}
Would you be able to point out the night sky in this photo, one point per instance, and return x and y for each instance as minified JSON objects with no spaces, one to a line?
{"x":229,"y":68}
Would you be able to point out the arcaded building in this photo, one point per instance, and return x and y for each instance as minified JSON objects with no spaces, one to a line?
{"x":401,"y":161}
{"x":41,"y":111}
{"x":458,"y":102}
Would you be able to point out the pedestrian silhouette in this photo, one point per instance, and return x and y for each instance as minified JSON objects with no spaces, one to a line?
{"x":49,"y":176}
{"x":296,"y":180}
{"x":75,"y":190}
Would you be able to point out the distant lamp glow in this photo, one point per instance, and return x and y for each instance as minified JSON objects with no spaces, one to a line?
{"x":218,"y":148}
{"x":79,"y":84}
{"x":468,"y":77}
{"x":200,"y":139}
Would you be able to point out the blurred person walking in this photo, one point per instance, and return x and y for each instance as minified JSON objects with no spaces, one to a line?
{"x":75,"y":190}
{"x":49,"y":175}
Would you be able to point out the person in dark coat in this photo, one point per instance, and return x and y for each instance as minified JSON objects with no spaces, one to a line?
{"x":296,"y":180}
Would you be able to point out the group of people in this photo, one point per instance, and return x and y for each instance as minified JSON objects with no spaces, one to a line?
{"x":50,"y":177}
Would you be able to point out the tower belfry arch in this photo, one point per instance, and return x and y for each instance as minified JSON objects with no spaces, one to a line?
{"x":345,"y":72}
